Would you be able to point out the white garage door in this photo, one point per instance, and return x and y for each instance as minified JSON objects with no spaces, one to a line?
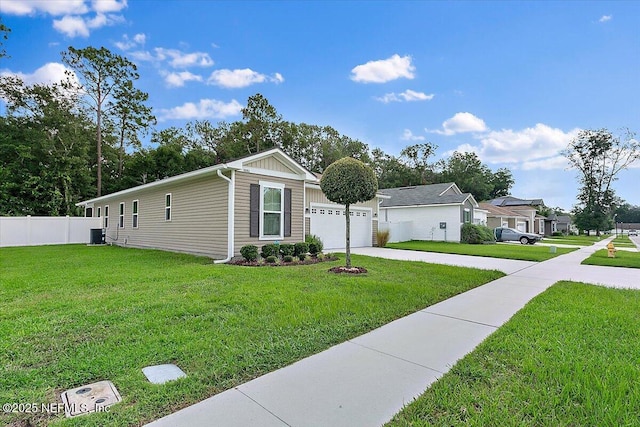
{"x":521,"y":226}
{"x":328,"y":223}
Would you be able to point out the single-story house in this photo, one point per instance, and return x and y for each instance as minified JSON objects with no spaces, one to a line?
{"x":426,"y":212}
{"x":502,"y":217}
{"x":526,"y":207}
{"x":214,"y":211}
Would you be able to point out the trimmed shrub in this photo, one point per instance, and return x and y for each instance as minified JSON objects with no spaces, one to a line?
{"x":288,"y":258}
{"x":476,"y":234}
{"x":269,"y":250}
{"x":287,"y":249}
{"x":312,"y":238}
{"x":249,"y":252}
{"x":383,"y":238}
{"x":313,"y":249}
{"x":557,"y":233}
{"x":271,"y":259}
{"x":301,"y":249}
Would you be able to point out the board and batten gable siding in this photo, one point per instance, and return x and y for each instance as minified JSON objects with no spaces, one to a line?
{"x":272,"y":164}
{"x":198,"y":222}
{"x":242,"y":235}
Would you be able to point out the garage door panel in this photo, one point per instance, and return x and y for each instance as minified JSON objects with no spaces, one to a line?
{"x":328,"y":223}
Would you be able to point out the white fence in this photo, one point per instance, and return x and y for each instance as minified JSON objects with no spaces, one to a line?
{"x":398,"y":231}
{"x":45,"y":230}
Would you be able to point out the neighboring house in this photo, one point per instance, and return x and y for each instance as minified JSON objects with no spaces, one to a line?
{"x":503,"y":217}
{"x":426,"y":212}
{"x":214,"y":211}
{"x":564,"y":224}
{"x":524,"y":207}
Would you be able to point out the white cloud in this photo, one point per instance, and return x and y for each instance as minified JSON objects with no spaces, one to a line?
{"x":555,"y":162}
{"x":71,"y":26}
{"x":232,"y":79}
{"x":204,"y":109}
{"x":531,"y":148}
{"x":129,"y":43}
{"x":108,"y":6}
{"x":605,"y":18}
{"x":407,"y":135}
{"x":384,"y":70}
{"x":176,"y":58}
{"x":179,"y":79}
{"x":74,"y":21}
{"x":408,"y":96}
{"x":461,"y":123}
{"x":52,"y":72}
{"x":55,"y":8}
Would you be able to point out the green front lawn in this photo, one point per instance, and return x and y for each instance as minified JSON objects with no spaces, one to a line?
{"x":569,"y":358}
{"x":622,"y":259}
{"x":73,"y":315}
{"x":573,"y":240}
{"x":508,"y":251}
{"x":623,"y":241}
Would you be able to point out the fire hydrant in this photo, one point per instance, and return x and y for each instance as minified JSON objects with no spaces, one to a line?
{"x":611,"y":250}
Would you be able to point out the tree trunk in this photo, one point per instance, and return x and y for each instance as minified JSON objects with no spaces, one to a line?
{"x":348,"y":236}
{"x":99,"y":147}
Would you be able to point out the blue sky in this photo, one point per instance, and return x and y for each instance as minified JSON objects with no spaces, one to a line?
{"x":511,"y":81}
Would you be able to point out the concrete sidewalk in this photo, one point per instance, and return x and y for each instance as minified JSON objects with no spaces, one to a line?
{"x":366,"y":380}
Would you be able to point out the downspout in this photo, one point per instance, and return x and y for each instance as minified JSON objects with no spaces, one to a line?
{"x":230,"y":216}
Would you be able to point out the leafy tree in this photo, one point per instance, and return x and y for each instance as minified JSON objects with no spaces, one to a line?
{"x":44,"y":143}
{"x":102,"y":75}
{"x":417,"y":157}
{"x":4,"y":31}
{"x":599,"y":157}
{"x":348,"y":181}
{"x":472,"y":176}
{"x":392,"y":172}
{"x":502,"y":181}
{"x":130,"y":117}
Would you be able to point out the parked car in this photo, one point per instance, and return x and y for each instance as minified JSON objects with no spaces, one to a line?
{"x":504,"y":234}
{"x":633,"y":232}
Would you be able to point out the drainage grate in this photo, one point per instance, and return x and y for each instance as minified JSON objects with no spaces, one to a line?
{"x":90,"y":398}
{"x":160,"y":374}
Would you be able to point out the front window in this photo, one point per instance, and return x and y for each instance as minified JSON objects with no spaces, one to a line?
{"x":106,"y":216}
{"x":272,"y":205}
{"x":467,"y":215}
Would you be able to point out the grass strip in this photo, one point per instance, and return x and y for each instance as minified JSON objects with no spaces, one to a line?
{"x":72,"y":315}
{"x":505,"y":251}
{"x":622,"y":259}
{"x":569,"y":358}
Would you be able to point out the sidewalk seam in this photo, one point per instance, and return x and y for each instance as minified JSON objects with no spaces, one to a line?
{"x":258,"y":403}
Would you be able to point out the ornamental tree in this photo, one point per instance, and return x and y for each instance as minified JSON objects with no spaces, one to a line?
{"x":348,"y":181}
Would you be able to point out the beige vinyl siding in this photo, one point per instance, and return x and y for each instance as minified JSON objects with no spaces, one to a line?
{"x":271,"y":163}
{"x":241,"y":231}
{"x":198,"y":218}
{"x":374,"y":233}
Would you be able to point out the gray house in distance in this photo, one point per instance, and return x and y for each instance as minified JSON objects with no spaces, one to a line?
{"x":426,"y":212}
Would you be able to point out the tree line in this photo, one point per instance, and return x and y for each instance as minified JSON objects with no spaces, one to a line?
{"x":66,"y":142}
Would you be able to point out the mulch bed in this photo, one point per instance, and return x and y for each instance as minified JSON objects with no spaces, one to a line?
{"x":280,"y":263}
{"x":348,"y":270}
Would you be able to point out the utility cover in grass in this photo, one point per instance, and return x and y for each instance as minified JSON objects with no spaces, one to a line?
{"x":160,"y":374}
{"x":96,"y":397}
